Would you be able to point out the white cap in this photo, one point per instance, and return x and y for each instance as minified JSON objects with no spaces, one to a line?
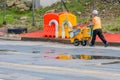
{"x":95,"y":12}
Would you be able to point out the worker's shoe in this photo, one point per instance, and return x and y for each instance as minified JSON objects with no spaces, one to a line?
{"x":92,"y":45}
{"x":106,"y":44}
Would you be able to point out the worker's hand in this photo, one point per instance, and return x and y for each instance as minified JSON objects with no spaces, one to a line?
{"x":90,"y":25}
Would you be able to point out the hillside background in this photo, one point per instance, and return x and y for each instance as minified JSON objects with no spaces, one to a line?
{"x":19,"y":13}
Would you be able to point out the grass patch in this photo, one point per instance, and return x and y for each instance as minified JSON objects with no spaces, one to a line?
{"x":112,"y":26}
{"x":13,"y":15}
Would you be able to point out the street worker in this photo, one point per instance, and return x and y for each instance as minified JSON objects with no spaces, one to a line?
{"x":97,"y":29}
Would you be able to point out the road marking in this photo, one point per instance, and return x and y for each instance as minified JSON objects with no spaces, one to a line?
{"x":60,"y":69}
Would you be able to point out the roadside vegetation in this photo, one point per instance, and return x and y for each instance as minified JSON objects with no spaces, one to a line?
{"x":109,"y":12}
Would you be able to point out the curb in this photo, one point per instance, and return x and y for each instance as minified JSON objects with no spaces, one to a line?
{"x":10,"y":38}
{"x":115,"y":44}
{"x":59,"y":40}
{"x":66,"y":41}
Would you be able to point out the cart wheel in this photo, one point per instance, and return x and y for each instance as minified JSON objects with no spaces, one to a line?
{"x":83,"y":43}
{"x":76,"y":43}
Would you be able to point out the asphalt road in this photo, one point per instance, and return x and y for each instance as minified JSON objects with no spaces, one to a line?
{"x":25,"y":60}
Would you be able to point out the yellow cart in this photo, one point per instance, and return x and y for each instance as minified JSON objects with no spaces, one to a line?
{"x":81,"y":35}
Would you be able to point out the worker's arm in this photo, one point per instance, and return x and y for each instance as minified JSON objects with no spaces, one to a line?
{"x":91,"y":24}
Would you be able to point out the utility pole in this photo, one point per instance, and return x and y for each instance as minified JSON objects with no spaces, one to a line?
{"x":63,"y":8}
{"x":33,"y":9}
{"x":37,"y":4}
{"x":4,"y":18}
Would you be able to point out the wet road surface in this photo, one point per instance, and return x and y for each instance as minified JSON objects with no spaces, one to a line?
{"x":20,"y":60}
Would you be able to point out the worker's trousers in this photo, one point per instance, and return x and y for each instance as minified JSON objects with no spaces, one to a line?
{"x":100,"y":35}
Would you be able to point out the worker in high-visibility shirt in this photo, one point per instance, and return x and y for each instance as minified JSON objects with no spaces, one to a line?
{"x":97,"y":29}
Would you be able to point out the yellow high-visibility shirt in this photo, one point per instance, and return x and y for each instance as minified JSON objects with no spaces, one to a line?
{"x":97,"y":23}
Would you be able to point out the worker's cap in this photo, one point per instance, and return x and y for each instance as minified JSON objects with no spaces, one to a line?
{"x":95,"y":12}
